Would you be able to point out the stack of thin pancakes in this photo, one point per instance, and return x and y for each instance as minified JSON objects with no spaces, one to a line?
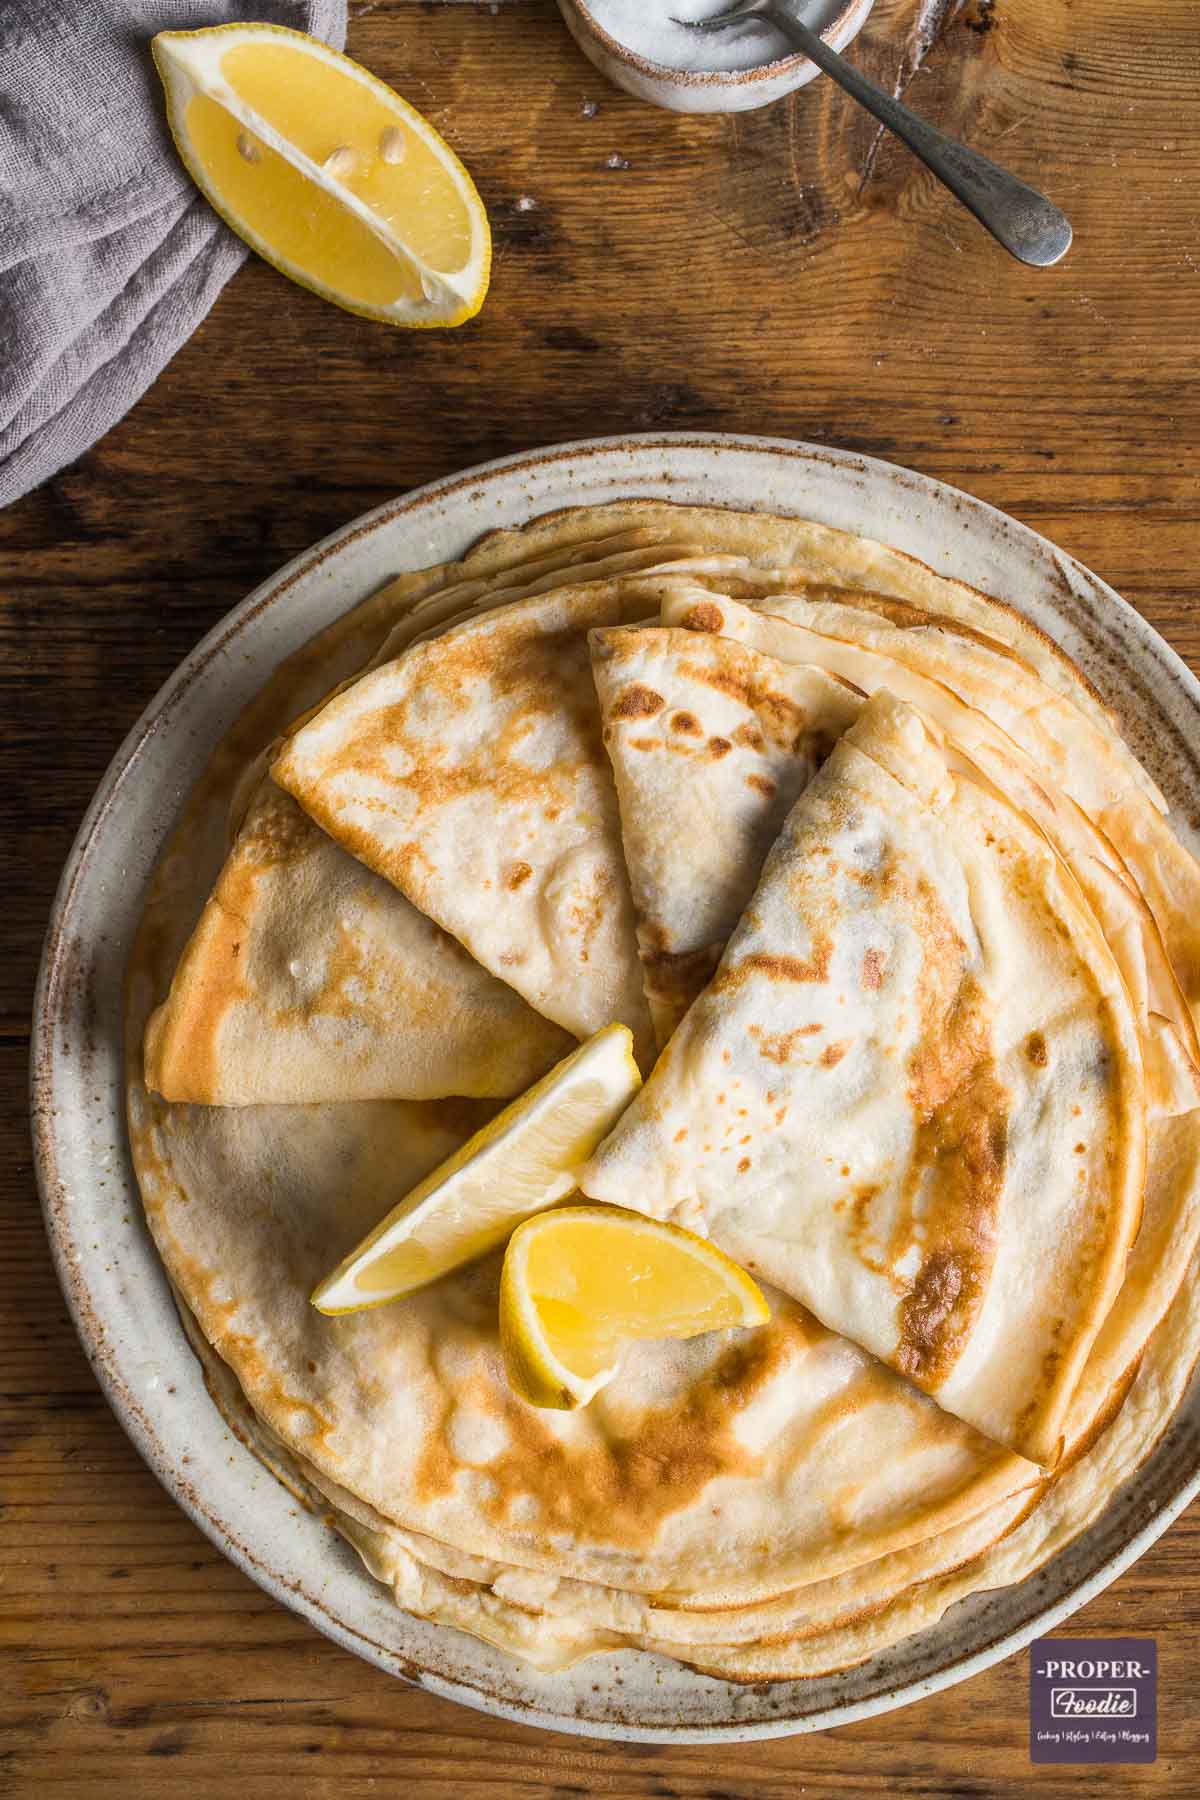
{"x":911,"y":955}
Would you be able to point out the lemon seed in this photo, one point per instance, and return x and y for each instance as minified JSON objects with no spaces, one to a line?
{"x":391,"y":145}
{"x":248,"y":148}
{"x":340,"y":162}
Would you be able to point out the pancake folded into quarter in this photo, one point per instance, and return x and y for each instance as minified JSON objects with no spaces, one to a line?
{"x":863,"y":856}
{"x":469,"y":772}
{"x":308,"y":978}
{"x":914,"y":1076}
{"x":710,"y":744}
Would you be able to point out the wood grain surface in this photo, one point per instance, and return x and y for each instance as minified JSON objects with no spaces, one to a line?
{"x":785,"y":272}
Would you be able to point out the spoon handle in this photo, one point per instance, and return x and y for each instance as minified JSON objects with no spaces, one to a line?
{"x":1028,"y":225}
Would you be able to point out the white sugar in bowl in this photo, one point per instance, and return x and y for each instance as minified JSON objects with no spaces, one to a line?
{"x":636,"y":45}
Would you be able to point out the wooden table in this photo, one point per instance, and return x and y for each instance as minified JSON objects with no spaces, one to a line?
{"x":783,"y":273}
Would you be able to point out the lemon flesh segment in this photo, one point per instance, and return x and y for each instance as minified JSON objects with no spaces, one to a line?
{"x":306,"y":228}
{"x":526,"y":1159}
{"x":327,"y":173}
{"x":581,"y":1281}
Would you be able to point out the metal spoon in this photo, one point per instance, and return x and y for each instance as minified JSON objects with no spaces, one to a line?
{"x":1028,"y":225}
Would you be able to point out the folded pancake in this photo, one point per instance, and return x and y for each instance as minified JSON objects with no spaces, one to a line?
{"x":914,"y":1078}
{"x":308,"y":978}
{"x":470,"y":773}
{"x":710,"y":744}
{"x":1167,"y":1029}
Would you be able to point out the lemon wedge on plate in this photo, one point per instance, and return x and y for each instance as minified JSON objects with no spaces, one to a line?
{"x":525,"y":1159}
{"x":326,"y":172}
{"x":580,"y":1281}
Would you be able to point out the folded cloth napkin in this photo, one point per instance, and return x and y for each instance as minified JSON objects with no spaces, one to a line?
{"x":109,"y":258}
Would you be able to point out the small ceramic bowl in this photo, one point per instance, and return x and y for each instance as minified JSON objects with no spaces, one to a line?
{"x":710,"y":91}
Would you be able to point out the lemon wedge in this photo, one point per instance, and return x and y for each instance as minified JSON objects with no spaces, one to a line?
{"x":326,"y":172}
{"x":525,"y":1159}
{"x":580,"y":1281}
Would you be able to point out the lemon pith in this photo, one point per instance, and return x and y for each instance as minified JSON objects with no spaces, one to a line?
{"x":579,"y":1281}
{"x":524,"y":1160}
{"x":327,"y":173}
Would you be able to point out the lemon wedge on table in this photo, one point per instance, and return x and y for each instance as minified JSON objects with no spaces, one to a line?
{"x":580,"y":1281}
{"x":525,"y":1159}
{"x":326,"y":172}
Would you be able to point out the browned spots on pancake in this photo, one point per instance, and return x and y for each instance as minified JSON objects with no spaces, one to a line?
{"x":910,"y":617}
{"x":719,"y":747}
{"x":778,"y":719}
{"x":518,"y":875}
{"x":440,"y":773}
{"x":859,"y":1229}
{"x":621,"y":1490}
{"x":1035,"y":1049}
{"x":687,"y":722}
{"x":762,"y":784}
{"x":437,"y":1467}
{"x":589,"y":911}
{"x":954,"y":1018}
{"x":957,"y":1165}
{"x":638,"y":702}
{"x":525,"y":671}
{"x":872,"y":970}
{"x":182,"y":1043}
{"x":832,"y":1054}
{"x":779,"y":1046}
{"x":732,"y":676}
{"x":743,"y":1165}
{"x":704,"y":616}
{"x":935,"y":1297}
{"x":1050,"y":1371}
{"x":813,"y":967}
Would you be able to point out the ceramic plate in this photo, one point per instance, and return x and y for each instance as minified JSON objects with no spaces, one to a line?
{"x":111,"y":1275}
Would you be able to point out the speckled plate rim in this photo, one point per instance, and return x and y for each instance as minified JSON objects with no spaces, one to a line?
{"x":111,"y":1277}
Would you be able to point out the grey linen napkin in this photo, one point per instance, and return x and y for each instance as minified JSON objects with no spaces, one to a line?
{"x":109,"y":258}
